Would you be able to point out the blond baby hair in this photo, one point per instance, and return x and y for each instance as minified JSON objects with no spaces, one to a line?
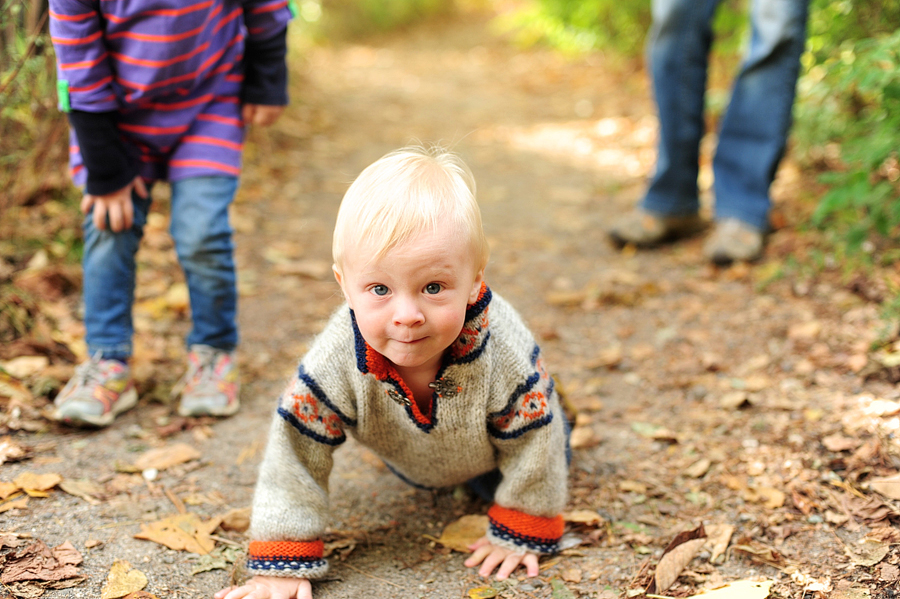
{"x":407,"y":192}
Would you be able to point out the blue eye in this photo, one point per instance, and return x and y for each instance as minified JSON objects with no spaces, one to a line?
{"x":433,"y":288}
{"x":380,"y":290}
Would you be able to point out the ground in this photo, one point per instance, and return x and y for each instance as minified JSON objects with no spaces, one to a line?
{"x":733,"y":398}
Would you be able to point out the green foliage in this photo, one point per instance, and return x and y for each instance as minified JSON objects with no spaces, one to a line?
{"x":850,"y":103}
{"x":358,"y":18}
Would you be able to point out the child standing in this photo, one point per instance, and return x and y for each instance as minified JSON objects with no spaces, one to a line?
{"x":160,"y":90}
{"x":424,"y":365}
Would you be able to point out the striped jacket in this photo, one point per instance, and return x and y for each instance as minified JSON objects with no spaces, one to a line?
{"x":494,"y":407}
{"x":171,"y":76}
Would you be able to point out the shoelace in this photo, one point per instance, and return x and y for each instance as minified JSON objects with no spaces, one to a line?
{"x":88,"y":373}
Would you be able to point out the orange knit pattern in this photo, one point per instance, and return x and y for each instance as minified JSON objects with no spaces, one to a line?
{"x":287,"y":549}
{"x":526,"y":524}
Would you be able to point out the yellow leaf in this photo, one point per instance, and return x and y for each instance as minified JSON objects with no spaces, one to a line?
{"x":122,"y":580}
{"x":29,"y":481}
{"x":589,"y":517}
{"x":482,"y":593}
{"x":740,"y":589}
{"x":462,"y":533}
{"x":166,"y":457}
{"x":21,"y":503}
{"x":182,"y":532}
{"x":7,"y":489}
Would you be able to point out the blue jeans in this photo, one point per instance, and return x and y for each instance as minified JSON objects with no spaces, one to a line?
{"x":754,"y":129}
{"x":203,"y":243}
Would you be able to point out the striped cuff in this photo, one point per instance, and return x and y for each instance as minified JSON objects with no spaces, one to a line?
{"x":300,"y":559}
{"x":518,"y":530}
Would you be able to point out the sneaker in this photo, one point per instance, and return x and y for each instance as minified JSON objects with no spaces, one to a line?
{"x":99,"y":391}
{"x":210,"y":387}
{"x":648,"y":229}
{"x":734,"y":241}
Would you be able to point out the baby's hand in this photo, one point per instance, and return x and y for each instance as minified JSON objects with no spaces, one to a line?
{"x":490,"y":556}
{"x":269,"y":587}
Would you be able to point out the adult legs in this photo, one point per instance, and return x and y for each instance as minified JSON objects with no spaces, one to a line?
{"x":755,"y":127}
{"x":203,"y":242}
{"x":109,"y":278}
{"x":678,"y":52}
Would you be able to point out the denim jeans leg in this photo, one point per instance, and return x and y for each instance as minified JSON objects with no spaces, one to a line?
{"x":203,"y":243}
{"x":678,"y":55}
{"x":109,"y":277}
{"x":755,"y":127}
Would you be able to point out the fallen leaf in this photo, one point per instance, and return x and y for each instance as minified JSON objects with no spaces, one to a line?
{"x":219,"y":559}
{"x":7,"y":489}
{"x":633,"y":486}
{"x":675,"y":558}
{"x":122,"y":580}
{"x":572,"y":575}
{"x":889,"y":573}
{"x":734,"y":400}
{"x":867,"y":552}
{"x":607,"y":358}
{"x":698,"y":468}
{"x":838,"y":443}
{"x":889,"y":486}
{"x":21,"y":503}
{"x":460,"y":534}
{"x":140,"y":595}
{"x":37,"y":484}
{"x":805,"y":330}
{"x":482,"y":592}
{"x":25,"y":366}
{"x":37,"y":562}
{"x":739,"y":589}
{"x":182,"y":532}
{"x":585,"y":517}
{"x":811,"y":584}
{"x":83,"y":488}
{"x":583,"y":437}
{"x":762,"y":553}
{"x":718,"y":536}
{"x":10,"y":451}
{"x":161,"y":458}
{"x":237,"y":520}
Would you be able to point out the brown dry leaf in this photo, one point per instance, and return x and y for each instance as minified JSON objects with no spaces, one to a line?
{"x":21,"y":503}
{"x":83,"y":488}
{"x":237,"y":519}
{"x":572,"y":575}
{"x":698,"y":468}
{"x":37,"y":485}
{"x":805,"y":330}
{"x":889,"y":486}
{"x":37,"y":562}
{"x":609,"y":357}
{"x":676,"y":556}
{"x":770,"y":497}
{"x":182,"y":532}
{"x":140,"y":595}
{"x":7,"y":489}
{"x":740,"y":589}
{"x":583,"y":517}
{"x":10,"y":451}
{"x":867,"y":552}
{"x":23,"y":367}
{"x":122,"y":580}
{"x":762,"y":553}
{"x":166,"y":457}
{"x":583,"y":437}
{"x":460,"y":534}
{"x":718,"y":536}
{"x":838,"y":443}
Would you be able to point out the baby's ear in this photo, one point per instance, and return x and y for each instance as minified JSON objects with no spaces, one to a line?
{"x":476,"y":286}
{"x":340,"y":281}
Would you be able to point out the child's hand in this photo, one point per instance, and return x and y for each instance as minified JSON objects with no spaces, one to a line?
{"x":490,"y":556}
{"x":261,"y":114}
{"x":117,"y":205}
{"x":269,"y":587}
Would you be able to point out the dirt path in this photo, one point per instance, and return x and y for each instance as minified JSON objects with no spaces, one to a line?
{"x":704,"y":395}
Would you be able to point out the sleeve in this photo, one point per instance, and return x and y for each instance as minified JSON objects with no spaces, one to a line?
{"x":529,"y":433}
{"x":290,"y":503}
{"x":265,"y":63}
{"x":84,"y":75}
{"x":105,"y":157}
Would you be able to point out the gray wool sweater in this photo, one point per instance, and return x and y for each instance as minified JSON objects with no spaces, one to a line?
{"x":494,"y":407}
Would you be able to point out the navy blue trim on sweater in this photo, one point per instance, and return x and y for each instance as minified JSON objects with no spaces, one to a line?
{"x":536,"y":544}
{"x":321,"y":396}
{"x":285,"y":564}
{"x":303,"y":429}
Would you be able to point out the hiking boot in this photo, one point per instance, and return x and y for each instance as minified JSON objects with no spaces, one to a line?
{"x":99,"y":391}
{"x":210,"y":387}
{"x":734,"y":241}
{"x":647,"y":229}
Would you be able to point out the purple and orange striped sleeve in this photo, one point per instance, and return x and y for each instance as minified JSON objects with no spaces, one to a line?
{"x":83,"y":69}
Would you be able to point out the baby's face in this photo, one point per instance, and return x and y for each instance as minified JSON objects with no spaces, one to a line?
{"x":410,"y":304}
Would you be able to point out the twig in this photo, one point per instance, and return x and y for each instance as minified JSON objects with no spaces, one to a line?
{"x":394,"y":584}
{"x":27,"y":54}
{"x":176,"y":501}
{"x":225,"y":541}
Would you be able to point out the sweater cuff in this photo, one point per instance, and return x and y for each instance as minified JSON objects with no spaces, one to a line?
{"x":109,"y":167}
{"x":520,"y":531}
{"x":289,"y":559}
{"x":265,"y":71}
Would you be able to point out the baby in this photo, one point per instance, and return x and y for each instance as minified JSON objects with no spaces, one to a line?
{"x":425,"y":366}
